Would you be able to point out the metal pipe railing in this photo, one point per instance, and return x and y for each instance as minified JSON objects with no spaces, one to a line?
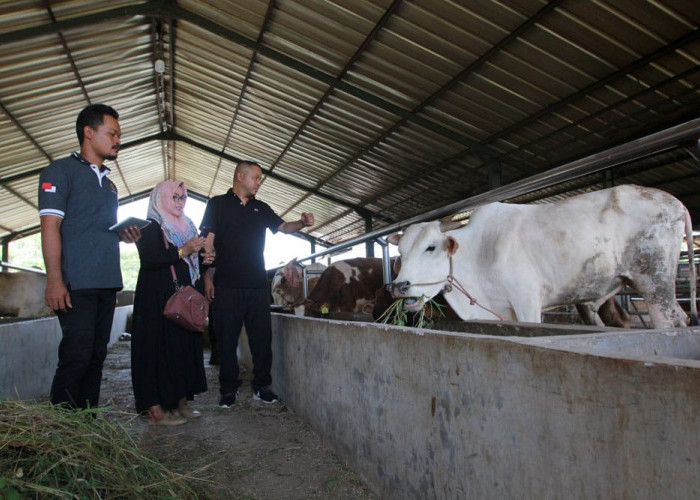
{"x":386,"y":260}
{"x":4,"y":264}
{"x":633,"y":150}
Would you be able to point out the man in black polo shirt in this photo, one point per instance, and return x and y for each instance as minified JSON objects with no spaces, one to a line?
{"x":77,"y":205}
{"x":237,"y":222}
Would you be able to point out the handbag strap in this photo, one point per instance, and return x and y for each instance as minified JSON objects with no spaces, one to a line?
{"x":172,"y":268}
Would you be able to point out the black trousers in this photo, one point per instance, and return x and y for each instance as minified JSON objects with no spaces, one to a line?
{"x":86,"y":328}
{"x":233,"y":308}
{"x":214,"y":356}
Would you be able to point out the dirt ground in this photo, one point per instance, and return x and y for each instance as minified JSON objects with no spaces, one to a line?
{"x":250,"y":451}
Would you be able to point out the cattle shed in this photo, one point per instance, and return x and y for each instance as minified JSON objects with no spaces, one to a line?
{"x":364,"y":112}
{"x":369,"y":113}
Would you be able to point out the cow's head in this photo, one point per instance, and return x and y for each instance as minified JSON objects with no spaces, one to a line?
{"x":282,"y":293}
{"x":425,"y":263}
{"x":287,"y":285}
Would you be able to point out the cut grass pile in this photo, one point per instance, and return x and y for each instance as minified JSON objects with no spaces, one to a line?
{"x":50,"y":452}
{"x":395,"y":314}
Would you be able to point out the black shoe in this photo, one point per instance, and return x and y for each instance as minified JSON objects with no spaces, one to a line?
{"x":228,"y":400}
{"x":265,"y":395}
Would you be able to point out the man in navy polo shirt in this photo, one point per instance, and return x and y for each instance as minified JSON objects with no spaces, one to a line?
{"x":237,"y":222}
{"x":77,"y":205}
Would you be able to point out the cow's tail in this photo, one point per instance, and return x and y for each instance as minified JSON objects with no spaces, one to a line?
{"x":691,"y":269}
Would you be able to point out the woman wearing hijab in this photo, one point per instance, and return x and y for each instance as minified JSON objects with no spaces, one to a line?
{"x":167,"y":366}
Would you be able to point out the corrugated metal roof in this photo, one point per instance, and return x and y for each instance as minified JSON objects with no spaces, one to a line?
{"x":363,"y":112}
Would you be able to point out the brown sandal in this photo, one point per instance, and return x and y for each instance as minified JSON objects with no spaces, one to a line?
{"x":171,"y":420}
{"x":157,"y":416}
{"x":189,"y":413}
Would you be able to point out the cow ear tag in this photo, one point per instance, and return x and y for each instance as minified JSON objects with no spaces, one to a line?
{"x":452,"y":245}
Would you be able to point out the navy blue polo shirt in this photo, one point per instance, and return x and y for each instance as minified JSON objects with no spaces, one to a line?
{"x":87,"y":201}
{"x":239,"y":239}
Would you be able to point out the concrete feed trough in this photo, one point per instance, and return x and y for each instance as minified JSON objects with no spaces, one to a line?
{"x":428,"y":414}
{"x":29,"y":354}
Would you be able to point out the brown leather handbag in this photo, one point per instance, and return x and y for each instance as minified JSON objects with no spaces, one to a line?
{"x":186,"y":307}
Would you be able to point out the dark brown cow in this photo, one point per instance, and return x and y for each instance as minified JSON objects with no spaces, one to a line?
{"x":346,"y":286}
{"x":356,"y":286}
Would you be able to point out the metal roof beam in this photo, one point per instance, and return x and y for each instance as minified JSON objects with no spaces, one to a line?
{"x":601,"y":82}
{"x":21,"y":197}
{"x":26,"y":134}
{"x":639,"y":148}
{"x":244,"y":91}
{"x":278,"y":177}
{"x":144,"y":9}
{"x":368,"y":39}
{"x":312,"y":72}
{"x":505,"y":158}
{"x":580,"y":123}
{"x":18,"y":177}
{"x":171,"y":136}
{"x":69,"y":54}
{"x":619,"y":177}
{"x":166,"y":9}
{"x":476,"y":148}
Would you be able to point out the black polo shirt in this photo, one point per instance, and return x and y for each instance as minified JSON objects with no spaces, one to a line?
{"x":84,"y":197}
{"x":239,"y":239}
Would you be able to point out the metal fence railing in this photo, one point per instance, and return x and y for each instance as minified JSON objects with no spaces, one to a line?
{"x":6,"y":265}
{"x":648,"y":145}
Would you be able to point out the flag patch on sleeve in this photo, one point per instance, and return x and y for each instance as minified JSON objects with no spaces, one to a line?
{"x":48,"y":187}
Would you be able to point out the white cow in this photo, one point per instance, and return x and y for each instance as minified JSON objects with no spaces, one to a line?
{"x":517,"y":260}
{"x":22,"y":294}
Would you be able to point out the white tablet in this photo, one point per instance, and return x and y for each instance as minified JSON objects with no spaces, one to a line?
{"x":131,"y":221}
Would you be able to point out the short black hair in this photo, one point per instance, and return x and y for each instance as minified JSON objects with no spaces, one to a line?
{"x":242,"y":164}
{"x":93,"y":116}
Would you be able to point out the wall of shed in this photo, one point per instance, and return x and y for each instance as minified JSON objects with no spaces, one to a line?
{"x":29,"y":354}
{"x":452,"y":415}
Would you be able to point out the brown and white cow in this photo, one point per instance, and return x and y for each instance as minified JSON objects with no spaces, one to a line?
{"x":287,"y":285}
{"x":516,"y":260}
{"x":346,"y":286}
{"x":22,"y":294}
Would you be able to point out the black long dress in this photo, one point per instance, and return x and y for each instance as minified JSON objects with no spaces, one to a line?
{"x":166,"y":360}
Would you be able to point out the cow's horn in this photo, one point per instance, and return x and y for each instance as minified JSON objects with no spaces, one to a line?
{"x":450,"y":225}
